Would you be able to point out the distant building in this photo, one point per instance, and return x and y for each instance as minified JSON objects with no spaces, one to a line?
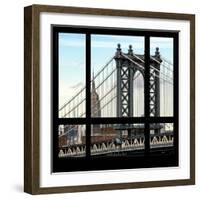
{"x":75,"y":134}
{"x":95,"y":102}
{"x":95,"y":109}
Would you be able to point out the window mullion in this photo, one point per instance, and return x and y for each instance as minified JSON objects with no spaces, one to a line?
{"x":147,"y":93}
{"x":176,"y":93}
{"x":88,"y":99}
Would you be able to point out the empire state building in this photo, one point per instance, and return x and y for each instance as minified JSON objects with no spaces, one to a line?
{"x":95,"y":102}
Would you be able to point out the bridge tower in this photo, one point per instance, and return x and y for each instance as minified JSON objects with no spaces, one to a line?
{"x":154,"y":84}
{"x":127,"y":65}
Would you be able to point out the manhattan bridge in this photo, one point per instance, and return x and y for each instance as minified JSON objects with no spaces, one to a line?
{"x":114,"y":93}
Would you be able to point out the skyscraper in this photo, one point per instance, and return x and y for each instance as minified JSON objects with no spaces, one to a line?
{"x":95,"y":108}
{"x":95,"y":102}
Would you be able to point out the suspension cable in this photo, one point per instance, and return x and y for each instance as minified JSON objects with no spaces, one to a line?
{"x":141,"y":67}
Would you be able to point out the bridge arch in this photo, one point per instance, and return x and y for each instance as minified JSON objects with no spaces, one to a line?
{"x":138,"y":93}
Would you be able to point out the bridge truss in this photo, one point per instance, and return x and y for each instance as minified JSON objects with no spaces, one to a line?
{"x":115,"y":85}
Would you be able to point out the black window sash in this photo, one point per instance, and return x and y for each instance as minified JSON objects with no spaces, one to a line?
{"x":88,"y":121}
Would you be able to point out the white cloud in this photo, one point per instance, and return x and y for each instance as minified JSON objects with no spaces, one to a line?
{"x":67,"y":91}
{"x":78,"y":85}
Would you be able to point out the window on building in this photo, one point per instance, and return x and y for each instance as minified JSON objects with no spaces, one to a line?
{"x":115,"y":98}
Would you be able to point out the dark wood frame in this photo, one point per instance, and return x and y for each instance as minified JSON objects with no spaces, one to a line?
{"x":32,"y":90}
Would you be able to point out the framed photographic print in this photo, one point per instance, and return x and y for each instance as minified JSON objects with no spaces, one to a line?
{"x":109,"y":99}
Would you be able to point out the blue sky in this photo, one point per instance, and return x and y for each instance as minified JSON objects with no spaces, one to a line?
{"x":103,"y":47}
{"x":71,"y":65}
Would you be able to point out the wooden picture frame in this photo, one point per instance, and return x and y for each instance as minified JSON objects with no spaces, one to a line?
{"x":32,"y":92}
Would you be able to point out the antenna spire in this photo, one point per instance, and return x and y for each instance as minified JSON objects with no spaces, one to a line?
{"x":93,"y":83}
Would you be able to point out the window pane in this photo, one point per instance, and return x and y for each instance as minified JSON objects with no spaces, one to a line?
{"x":71,"y":139}
{"x":71,"y":75}
{"x":161,"y":135}
{"x":117,"y":83}
{"x":161,"y":76}
{"x":117,"y":139}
